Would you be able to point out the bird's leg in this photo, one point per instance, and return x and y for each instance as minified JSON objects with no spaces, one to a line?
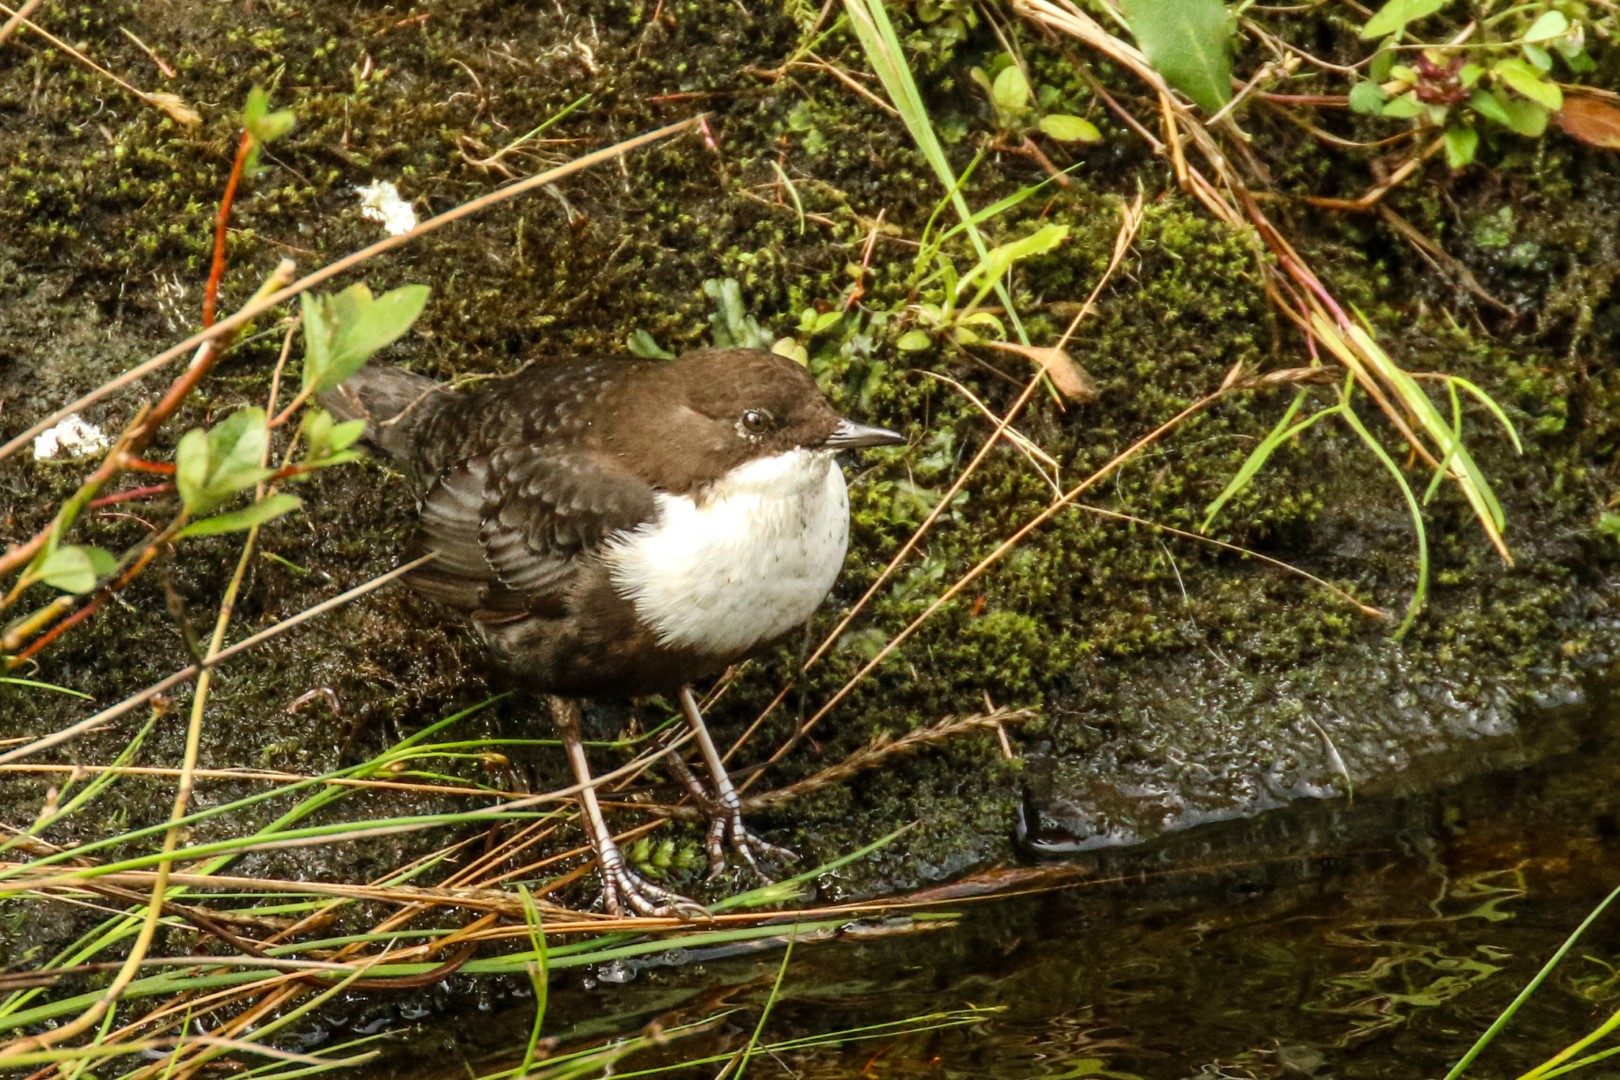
{"x":621,"y":887}
{"x":723,"y":805}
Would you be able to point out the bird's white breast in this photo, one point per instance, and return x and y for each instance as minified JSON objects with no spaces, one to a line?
{"x":744,"y":563}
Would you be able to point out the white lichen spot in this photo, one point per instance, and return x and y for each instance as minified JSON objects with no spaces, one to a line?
{"x":381,"y":202}
{"x":73,"y":437}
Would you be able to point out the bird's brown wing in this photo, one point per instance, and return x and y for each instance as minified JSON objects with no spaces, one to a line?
{"x":508,"y":528}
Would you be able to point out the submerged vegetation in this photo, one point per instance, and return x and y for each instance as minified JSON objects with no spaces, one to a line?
{"x":1280,"y":288}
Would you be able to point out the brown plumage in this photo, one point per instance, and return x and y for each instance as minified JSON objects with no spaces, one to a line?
{"x":614,"y":526}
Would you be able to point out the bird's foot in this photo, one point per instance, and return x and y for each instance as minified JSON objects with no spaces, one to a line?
{"x":726,"y":829}
{"x":625,"y":892}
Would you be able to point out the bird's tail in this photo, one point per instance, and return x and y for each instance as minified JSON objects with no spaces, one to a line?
{"x":391,"y":401}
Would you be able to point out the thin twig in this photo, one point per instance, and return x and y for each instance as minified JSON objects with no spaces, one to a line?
{"x":18,"y":17}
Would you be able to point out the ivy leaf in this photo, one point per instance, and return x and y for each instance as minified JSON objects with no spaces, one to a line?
{"x":1066,"y":128}
{"x":266,"y":509}
{"x":342,"y":331}
{"x":75,"y":568}
{"x":1186,"y":42}
{"x":1531,"y":83}
{"x":1461,"y":143}
{"x":1393,"y":16}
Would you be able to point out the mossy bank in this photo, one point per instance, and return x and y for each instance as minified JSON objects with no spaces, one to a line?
{"x":1173,"y":681}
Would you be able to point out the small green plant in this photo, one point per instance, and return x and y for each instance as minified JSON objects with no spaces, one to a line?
{"x":662,"y":858}
{"x":1501,"y":70}
{"x":956,"y":313}
{"x":1020,"y":109}
{"x":214,"y":466}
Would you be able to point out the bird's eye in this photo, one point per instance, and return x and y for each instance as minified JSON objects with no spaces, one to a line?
{"x":756,"y":421}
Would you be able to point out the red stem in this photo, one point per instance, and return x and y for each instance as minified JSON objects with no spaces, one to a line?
{"x":217,"y":271}
{"x":141,"y":465}
{"x":89,"y":609}
{"x":132,"y":493}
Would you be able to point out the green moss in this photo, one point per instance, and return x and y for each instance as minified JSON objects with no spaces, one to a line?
{"x":1112,"y":630}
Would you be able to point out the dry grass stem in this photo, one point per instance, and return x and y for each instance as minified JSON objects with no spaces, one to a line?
{"x":171,"y":104}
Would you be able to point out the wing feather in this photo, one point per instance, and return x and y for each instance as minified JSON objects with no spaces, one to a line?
{"x":510,"y":527}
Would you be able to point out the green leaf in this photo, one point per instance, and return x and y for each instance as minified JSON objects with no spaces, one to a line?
{"x":343,"y":331}
{"x":1461,"y":142}
{"x":1469,"y":75}
{"x":213,"y":465}
{"x":1065,"y":128}
{"x":266,"y":509}
{"x":264,"y":125}
{"x":324,"y":437}
{"x":913,"y":341}
{"x":1283,"y":431}
{"x":1186,"y":41}
{"x":75,"y":568}
{"x":191,"y":466}
{"x":1368,"y":98}
{"x":1551,"y":24}
{"x":318,"y":424}
{"x":346,"y":434}
{"x":1382,"y":61}
{"x":1525,"y":117}
{"x":793,"y":349}
{"x":1010,"y":92}
{"x":1403,"y":107}
{"x":1528,"y":81}
{"x":1539,"y":58}
{"x":1486,"y":104}
{"x":642,"y":344}
{"x":1578,"y":61}
{"x":1393,"y":16}
{"x":824,"y":321}
{"x":236,"y":446}
{"x":998,"y":260}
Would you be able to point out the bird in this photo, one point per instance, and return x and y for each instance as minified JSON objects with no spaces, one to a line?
{"x":617,"y":526}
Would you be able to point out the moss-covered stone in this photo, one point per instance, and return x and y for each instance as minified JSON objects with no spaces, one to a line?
{"x":1176,"y":681}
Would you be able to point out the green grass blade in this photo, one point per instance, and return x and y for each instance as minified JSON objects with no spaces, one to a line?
{"x":1530,"y":988}
{"x":1420,"y":593}
{"x":1284,"y":430}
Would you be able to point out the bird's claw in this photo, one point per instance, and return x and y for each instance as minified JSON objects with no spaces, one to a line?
{"x":726,"y":829}
{"x":623,"y":888}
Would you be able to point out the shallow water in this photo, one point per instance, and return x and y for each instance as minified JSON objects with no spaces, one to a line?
{"x":1370,"y":937}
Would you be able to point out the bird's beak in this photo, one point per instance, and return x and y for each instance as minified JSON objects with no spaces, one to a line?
{"x":849,"y":435}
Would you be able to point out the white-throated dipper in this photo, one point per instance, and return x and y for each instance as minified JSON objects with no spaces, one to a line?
{"x":615,"y":527}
